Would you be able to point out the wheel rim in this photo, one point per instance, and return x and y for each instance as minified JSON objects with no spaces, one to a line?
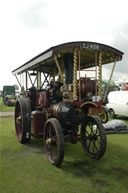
{"x":51,"y":143}
{"x":103,"y":118}
{"x":18,"y":122}
{"x":112,"y":113}
{"x":93,"y":138}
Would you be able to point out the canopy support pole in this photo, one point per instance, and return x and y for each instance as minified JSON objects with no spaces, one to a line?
{"x":109,"y":81}
{"x":75,"y":76}
{"x":18,"y":81}
{"x":96,"y":73}
{"x":26,"y":81}
{"x":38,"y":79}
{"x":100,"y":76}
{"x":79,"y":79}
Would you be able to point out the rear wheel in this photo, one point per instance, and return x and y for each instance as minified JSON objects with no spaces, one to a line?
{"x":93,"y":137}
{"x":104,"y":117}
{"x":54,"y":141}
{"x":23,"y":120}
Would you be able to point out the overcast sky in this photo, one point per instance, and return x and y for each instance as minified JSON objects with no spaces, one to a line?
{"x":28,"y":27}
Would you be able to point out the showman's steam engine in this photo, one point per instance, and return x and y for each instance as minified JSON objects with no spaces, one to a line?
{"x":60,"y":102}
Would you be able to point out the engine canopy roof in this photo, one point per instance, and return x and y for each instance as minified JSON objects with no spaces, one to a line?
{"x":45,"y":62}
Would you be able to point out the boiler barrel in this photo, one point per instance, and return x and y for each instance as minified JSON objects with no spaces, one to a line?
{"x":67,"y":113}
{"x":86,"y":86}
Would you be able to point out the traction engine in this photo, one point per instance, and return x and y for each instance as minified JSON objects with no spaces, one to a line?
{"x":65,"y":106}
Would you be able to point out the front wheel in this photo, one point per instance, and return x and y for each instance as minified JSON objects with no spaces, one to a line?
{"x":93,"y":137}
{"x":54,"y":141}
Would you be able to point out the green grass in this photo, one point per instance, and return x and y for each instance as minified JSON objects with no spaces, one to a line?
{"x":5,"y":108}
{"x":25,"y":169}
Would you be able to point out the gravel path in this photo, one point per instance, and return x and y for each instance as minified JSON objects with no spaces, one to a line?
{"x":6,"y":114}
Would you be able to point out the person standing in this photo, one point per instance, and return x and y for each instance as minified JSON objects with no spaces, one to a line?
{"x":126,"y":86}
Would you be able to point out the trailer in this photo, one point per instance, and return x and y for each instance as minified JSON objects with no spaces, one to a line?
{"x":63,"y":103}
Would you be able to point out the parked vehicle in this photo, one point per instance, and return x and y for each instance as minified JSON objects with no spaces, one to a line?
{"x":110,"y":89}
{"x":9,"y":97}
{"x":61,"y":105}
{"x":118,"y":103}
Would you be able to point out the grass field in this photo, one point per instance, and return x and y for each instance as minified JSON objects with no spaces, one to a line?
{"x":25,"y":169}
